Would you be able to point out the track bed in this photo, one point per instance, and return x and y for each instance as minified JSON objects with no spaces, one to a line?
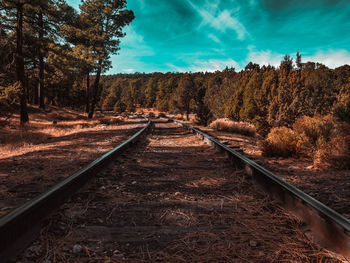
{"x":172,"y":199}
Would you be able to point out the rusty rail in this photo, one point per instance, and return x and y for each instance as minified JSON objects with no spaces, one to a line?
{"x":329,"y":228}
{"x":21,"y":226}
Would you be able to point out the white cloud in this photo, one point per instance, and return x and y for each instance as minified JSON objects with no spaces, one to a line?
{"x":263,"y":57}
{"x":331,"y":58}
{"x":222,"y":20}
{"x":128,"y":70}
{"x":212,"y":65}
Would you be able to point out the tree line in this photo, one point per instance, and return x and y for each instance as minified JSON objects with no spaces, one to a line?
{"x":264,"y":96}
{"x":47,"y":48}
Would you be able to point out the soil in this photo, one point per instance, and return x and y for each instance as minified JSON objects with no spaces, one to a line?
{"x":330,"y":187}
{"x":172,"y":199}
{"x":37,"y":156}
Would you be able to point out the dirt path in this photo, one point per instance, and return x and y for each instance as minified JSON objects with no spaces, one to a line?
{"x":173,"y":199}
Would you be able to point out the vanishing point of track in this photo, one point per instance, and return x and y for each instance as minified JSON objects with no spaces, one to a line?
{"x":172,"y":198}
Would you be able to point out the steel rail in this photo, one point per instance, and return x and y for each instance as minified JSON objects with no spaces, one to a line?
{"x":21,"y":226}
{"x":329,"y":228}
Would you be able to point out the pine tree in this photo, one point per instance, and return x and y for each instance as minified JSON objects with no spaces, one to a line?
{"x":104,"y":20}
{"x":12,"y":14}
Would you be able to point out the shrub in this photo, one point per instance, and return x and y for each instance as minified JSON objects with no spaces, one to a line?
{"x":280,"y":141}
{"x":313,"y":133}
{"x":336,"y":154}
{"x":243,"y":128}
{"x":342,"y":111}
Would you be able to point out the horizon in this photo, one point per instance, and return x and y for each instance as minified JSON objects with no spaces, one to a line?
{"x":205,"y":36}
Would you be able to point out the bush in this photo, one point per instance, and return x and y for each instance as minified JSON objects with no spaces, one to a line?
{"x":342,"y":111}
{"x":313,"y":133}
{"x":280,"y":141}
{"x":335,"y":155}
{"x":243,"y":128}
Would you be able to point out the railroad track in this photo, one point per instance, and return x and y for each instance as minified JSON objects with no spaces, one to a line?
{"x":171,"y":199}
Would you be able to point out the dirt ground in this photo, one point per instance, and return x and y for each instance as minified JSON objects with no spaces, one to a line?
{"x":172,"y":199}
{"x":40,"y":154}
{"x":330,"y":187}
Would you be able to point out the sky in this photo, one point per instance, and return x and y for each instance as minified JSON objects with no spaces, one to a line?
{"x":208,"y":35}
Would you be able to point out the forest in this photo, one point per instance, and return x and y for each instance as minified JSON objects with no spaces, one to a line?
{"x":298,"y":109}
{"x":47,"y":48}
{"x":53,"y":54}
{"x":264,"y":96}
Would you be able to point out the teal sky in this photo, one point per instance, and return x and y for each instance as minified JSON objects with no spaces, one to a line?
{"x":208,"y":35}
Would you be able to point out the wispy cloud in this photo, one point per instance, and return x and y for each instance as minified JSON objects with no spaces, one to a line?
{"x":214,"y":38}
{"x":221,"y":20}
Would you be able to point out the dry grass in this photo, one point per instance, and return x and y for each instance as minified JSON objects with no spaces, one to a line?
{"x":280,"y":141}
{"x":336,"y":153}
{"x":243,"y":128}
{"x":323,"y":139}
{"x":45,"y":126}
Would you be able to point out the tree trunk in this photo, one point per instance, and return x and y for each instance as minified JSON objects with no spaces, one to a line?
{"x":87,"y":90}
{"x":20,"y":62}
{"x":41,"y":88}
{"x":95,"y":90}
{"x":36,"y":84}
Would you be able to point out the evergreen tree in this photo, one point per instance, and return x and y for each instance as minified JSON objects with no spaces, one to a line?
{"x":104,"y":20}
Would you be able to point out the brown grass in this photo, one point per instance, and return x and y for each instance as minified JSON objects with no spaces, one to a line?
{"x":47,"y":125}
{"x":243,"y":128}
{"x":280,"y":141}
{"x":323,"y":139}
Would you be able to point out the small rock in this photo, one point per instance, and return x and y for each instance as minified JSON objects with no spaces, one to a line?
{"x":177,"y":193}
{"x":134,"y":182}
{"x":253,"y":243}
{"x":77,"y":249}
{"x":103,"y":188}
{"x":210,"y":160}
